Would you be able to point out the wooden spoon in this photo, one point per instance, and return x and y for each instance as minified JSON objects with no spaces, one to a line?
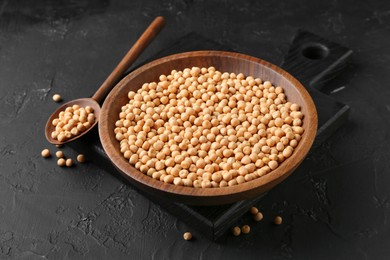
{"x":145,"y":39}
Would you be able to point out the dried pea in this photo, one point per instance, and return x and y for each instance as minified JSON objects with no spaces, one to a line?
{"x":61,"y":162}
{"x":236,"y":231}
{"x":57,"y":98}
{"x":69,"y":162}
{"x":59,"y":154}
{"x":258,"y":216}
{"x":245,"y":229}
{"x":253,"y":210}
{"x":187,"y":236}
{"x":81,"y":158}
{"x":45,"y":153}
{"x":278,"y":220}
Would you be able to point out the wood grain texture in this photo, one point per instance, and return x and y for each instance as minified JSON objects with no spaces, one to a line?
{"x":224,"y":61}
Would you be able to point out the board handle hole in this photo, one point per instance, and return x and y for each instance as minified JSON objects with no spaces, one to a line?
{"x":315,"y":51}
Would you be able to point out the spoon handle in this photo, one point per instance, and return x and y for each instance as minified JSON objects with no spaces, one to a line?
{"x":146,"y":38}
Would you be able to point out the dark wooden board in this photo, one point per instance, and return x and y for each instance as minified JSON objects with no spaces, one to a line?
{"x":314,"y":61}
{"x":311,"y":67}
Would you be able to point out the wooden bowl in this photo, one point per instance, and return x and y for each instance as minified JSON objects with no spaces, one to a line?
{"x":222,"y":61}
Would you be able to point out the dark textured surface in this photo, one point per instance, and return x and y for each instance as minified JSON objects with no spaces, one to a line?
{"x":336,"y":206}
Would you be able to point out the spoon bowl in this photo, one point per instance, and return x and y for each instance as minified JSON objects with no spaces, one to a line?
{"x":145,"y":39}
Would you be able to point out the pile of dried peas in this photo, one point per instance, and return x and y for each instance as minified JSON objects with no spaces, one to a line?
{"x":72,"y":121}
{"x":203,"y":128}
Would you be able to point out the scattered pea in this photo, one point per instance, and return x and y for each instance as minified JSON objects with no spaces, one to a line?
{"x":61,"y":162}
{"x":245,"y":229}
{"x":253,"y":210}
{"x":69,"y":162}
{"x":187,"y":236}
{"x":81,"y":158}
{"x":258,"y":216}
{"x":59,"y":154}
{"x":57,"y":98}
{"x":236,"y":231}
{"x":278,"y":220}
{"x":45,"y":153}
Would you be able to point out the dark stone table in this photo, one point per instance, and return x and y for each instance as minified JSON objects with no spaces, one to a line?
{"x":335,"y":206}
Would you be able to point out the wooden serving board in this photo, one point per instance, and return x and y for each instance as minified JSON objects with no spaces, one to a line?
{"x":311,"y":59}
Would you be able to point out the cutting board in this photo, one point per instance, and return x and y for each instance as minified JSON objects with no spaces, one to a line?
{"x":312,"y":59}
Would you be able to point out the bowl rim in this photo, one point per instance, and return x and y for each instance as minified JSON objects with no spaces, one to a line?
{"x":282,"y":172}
